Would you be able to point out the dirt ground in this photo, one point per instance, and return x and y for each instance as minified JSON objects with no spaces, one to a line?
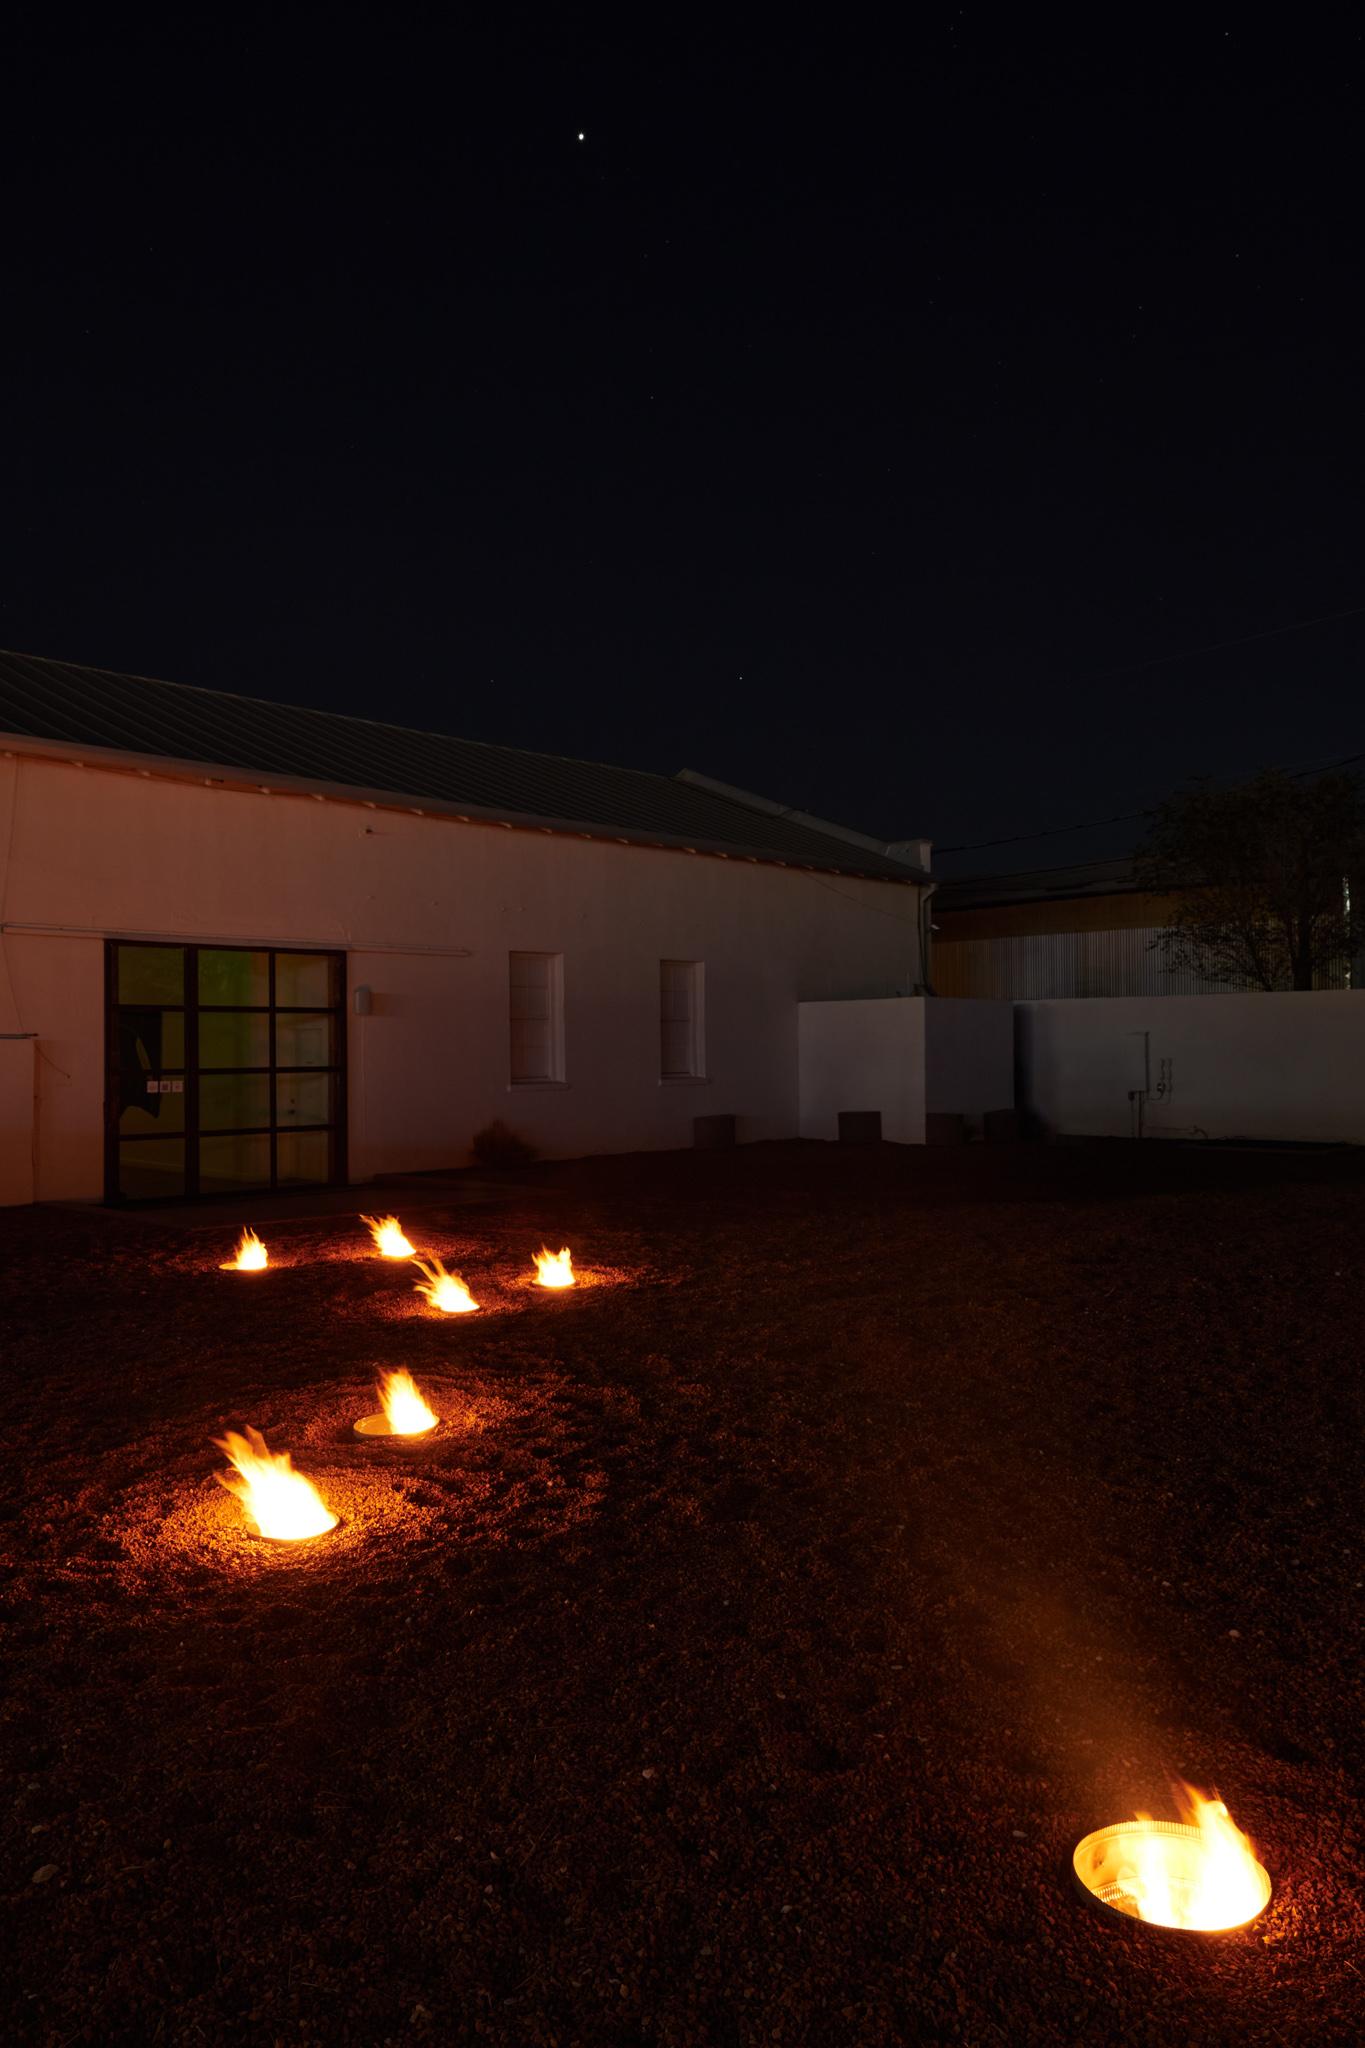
{"x":741,"y":1659}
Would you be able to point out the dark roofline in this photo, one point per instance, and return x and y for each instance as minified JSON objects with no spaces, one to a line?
{"x":1038,"y":885}
{"x":219,"y":776}
{"x":74,"y":712}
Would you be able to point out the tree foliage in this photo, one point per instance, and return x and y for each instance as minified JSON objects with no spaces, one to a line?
{"x":1267,"y":879}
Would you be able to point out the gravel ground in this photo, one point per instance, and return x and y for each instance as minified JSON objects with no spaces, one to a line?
{"x":741,"y":1659}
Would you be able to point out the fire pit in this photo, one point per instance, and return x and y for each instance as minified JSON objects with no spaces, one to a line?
{"x":445,"y":1291}
{"x":554,"y":1269}
{"x":389,"y":1240}
{"x":250,"y":1256}
{"x":1198,"y":1876}
{"x":404,"y":1415}
{"x":279,"y":1502}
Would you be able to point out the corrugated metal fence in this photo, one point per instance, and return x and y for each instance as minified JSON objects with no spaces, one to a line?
{"x":1048,"y":964}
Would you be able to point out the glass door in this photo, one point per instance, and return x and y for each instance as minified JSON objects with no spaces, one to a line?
{"x":226,"y":1070}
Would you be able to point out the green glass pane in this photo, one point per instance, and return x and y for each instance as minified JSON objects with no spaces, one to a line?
{"x":233,"y":1102}
{"x":233,"y":1040}
{"x":150,"y":1043}
{"x":304,"y":1156}
{"x":148,"y":1170}
{"x":303,"y":978}
{"x":303,"y":1099}
{"x":233,"y":977}
{"x":151,"y":974}
{"x":158,"y":1110}
{"x":302,"y":1040}
{"x":226,"y":1163}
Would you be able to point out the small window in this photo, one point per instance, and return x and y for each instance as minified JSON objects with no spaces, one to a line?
{"x":681,"y":1048}
{"x":536,"y":1012}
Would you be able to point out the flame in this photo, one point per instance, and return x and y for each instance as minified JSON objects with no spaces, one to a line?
{"x":443,"y":1290}
{"x":406,"y":1411}
{"x":554,"y":1269}
{"x":1221,"y":1886}
{"x":250,"y":1256}
{"x":389,"y":1240}
{"x":279,"y":1500}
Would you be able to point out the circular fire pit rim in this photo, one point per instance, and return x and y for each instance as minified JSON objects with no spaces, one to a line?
{"x":1131,"y":1921}
{"x":300,"y":1543}
{"x":380,"y":1433}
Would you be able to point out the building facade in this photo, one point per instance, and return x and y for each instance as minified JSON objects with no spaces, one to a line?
{"x":249,"y":946}
{"x":1056,"y":932}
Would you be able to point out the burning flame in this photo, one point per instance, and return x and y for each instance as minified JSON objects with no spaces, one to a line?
{"x":554,"y":1269}
{"x":1221,"y":1885}
{"x":443,"y":1290}
{"x":389,"y":1240}
{"x":279,"y":1500}
{"x":406,"y":1411}
{"x":250,"y":1256}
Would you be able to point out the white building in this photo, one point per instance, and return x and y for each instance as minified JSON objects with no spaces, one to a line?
{"x":246,"y":945}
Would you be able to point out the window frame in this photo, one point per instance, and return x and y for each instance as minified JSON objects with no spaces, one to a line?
{"x":191,"y":1008}
{"x":554,"y":990}
{"x":694,"y":982}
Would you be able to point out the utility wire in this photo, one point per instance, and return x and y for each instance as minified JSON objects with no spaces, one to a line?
{"x":1121,"y":818}
{"x":1355,"y":611}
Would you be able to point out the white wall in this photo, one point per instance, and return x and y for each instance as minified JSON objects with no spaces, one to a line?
{"x":17,"y":1101}
{"x":427,"y":910}
{"x":968,"y":1056}
{"x":860,"y":1056}
{"x":1252,"y":1066}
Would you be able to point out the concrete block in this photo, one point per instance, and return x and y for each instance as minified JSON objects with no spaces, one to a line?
{"x":860,"y":1127}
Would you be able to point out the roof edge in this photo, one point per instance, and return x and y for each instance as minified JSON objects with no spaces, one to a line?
{"x":76,"y":754}
{"x":886,"y":849}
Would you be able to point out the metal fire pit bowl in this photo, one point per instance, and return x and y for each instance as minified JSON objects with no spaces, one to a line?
{"x":299,"y":1543}
{"x":375,"y":1429}
{"x":1099,"y":1857}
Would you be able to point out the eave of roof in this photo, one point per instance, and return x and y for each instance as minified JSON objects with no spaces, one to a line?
{"x":832,"y":850}
{"x":1039,"y":885}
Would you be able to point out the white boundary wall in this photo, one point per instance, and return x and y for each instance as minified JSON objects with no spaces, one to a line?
{"x":968,"y":1056}
{"x":1281,"y":1067}
{"x":861,"y":1056}
{"x":904,"y":1056}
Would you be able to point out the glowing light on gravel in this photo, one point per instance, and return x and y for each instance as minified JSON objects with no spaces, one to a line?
{"x":280,"y":1501}
{"x":405,"y":1413}
{"x":1199,"y":1873}
{"x":389,"y":1240}
{"x":250,"y":1257}
{"x":554,"y":1269}
{"x":445,"y":1291}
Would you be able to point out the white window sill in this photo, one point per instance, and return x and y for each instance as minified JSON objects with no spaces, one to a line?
{"x":520,"y":1087}
{"x":684,"y":1080}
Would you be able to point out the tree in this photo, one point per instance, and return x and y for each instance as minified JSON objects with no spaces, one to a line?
{"x":1268,"y":879}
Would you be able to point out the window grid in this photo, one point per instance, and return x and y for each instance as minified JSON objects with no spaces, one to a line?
{"x":318,"y":1028}
{"x":680,"y":1020}
{"x":536,"y":1017}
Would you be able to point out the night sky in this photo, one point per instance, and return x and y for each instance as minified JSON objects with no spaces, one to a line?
{"x":864,"y":423}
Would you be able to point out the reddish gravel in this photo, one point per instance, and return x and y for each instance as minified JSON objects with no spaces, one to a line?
{"x":741,"y":1659}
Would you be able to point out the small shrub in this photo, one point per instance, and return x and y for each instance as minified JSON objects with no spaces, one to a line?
{"x":497,"y":1145}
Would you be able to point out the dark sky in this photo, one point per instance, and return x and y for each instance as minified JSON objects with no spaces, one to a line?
{"x":867,"y":423}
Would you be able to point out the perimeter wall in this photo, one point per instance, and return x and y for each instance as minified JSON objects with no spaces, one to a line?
{"x":1288,"y":1068}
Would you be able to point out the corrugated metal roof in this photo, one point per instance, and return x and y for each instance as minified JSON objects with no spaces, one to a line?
{"x":1037,"y":885}
{"x":91,"y":708}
